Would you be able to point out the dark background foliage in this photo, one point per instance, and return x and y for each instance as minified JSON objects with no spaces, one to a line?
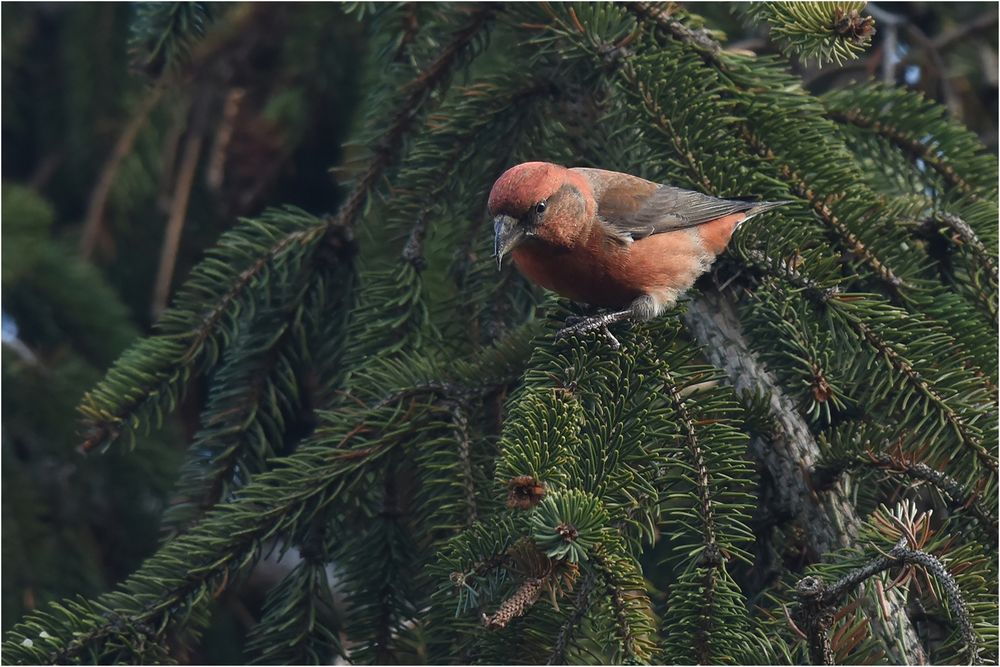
{"x":253,"y":110}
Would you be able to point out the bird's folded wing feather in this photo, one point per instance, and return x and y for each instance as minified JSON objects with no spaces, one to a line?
{"x":633,"y":208}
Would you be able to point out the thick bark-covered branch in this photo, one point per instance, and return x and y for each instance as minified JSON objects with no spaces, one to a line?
{"x":818,"y":602}
{"x":828,"y":520}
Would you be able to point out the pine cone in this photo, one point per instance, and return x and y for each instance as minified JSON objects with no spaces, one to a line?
{"x":525,"y":492}
{"x":859,"y":29}
{"x":516,"y":605}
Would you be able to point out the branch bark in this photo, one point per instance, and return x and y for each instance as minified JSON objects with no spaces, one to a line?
{"x":94,"y":222}
{"x":818,"y":602}
{"x":828,"y":520}
{"x":175,"y":224}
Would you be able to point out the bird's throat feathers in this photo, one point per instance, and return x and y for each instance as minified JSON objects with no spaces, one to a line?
{"x":578,"y":268}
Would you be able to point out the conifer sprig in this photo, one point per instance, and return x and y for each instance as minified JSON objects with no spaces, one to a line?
{"x":153,"y":375}
{"x":816,"y":599}
{"x":189,"y":569}
{"x":263,"y":395}
{"x":148,"y":381}
{"x":297,"y":624}
{"x":413,"y":96}
{"x":921,"y":130}
{"x":826,"y":31}
{"x":163,"y":33}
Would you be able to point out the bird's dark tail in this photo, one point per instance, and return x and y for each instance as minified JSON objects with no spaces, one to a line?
{"x":765,"y":206}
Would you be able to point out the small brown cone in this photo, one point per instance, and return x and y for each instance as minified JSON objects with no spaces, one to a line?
{"x":516,"y":605}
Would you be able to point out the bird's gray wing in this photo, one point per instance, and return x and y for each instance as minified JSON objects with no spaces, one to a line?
{"x":633,"y":208}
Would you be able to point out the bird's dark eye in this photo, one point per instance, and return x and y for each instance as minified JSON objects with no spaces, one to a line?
{"x":540,"y":207}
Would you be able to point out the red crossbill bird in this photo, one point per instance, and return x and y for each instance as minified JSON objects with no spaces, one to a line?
{"x":609,"y":239}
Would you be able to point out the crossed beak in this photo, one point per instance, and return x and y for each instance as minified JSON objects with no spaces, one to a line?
{"x":507,"y":234}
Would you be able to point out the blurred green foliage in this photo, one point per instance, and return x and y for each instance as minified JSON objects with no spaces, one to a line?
{"x":74,"y":76}
{"x":71,"y":524}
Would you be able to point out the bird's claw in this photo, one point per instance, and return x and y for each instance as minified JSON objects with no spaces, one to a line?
{"x":611,"y":337}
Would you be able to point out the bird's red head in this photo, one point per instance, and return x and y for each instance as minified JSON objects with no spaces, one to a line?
{"x":539,"y":202}
{"x":523,"y":186}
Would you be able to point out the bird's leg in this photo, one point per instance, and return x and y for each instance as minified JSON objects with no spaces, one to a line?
{"x":643,"y":309}
{"x":588,"y":311}
{"x":594,"y":322}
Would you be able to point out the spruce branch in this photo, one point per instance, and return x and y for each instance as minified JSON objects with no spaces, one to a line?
{"x":410,"y":28}
{"x":707,"y":622}
{"x":248,"y":508}
{"x":572,"y":626}
{"x":968,"y":359}
{"x":790,"y":450}
{"x":415,"y":95}
{"x":465,"y":142}
{"x":896,"y":348}
{"x":958,"y":404}
{"x":297,"y":625}
{"x":821,"y":206}
{"x":409,"y":436}
{"x":786,"y":270}
{"x":918,"y":150}
{"x":294,"y":626}
{"x":613,"y":572}
{"x":817,"y":601}
{"x":163,"y":33}
{"x":187,"y":570}
{"x":149,"y":378}
{"x":966,"y":236}
{"x":661,"y":14}
{"x":108,"y":416}
{"x":921,"y":386}
{"x":964,"y":263}
{"x":393,"y":310}
{"x":711,"y":555}
{"x":711,"y":558}
{"x":922,"y":131}
{"x":476,"y":117}
{"x":694,"y":175}
{"x":771,"y":269}
{"x":712,"y":592}
{"x":230,"y":431}
{"x":93,"y":225}
{"x":826,"y":31}
{"x":622,"y":626}
{"x":663,"y":122}
{"x":388,"y":595}
{"x":460,"y":420}
{"x":897,"y":463}
{"x":800,"y":187}
{"x":831,"y":186}
{"x":259,"y":396}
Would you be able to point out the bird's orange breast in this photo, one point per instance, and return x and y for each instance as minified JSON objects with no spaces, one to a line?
{"x":603,"y":272}
{"x":580,"y":274}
